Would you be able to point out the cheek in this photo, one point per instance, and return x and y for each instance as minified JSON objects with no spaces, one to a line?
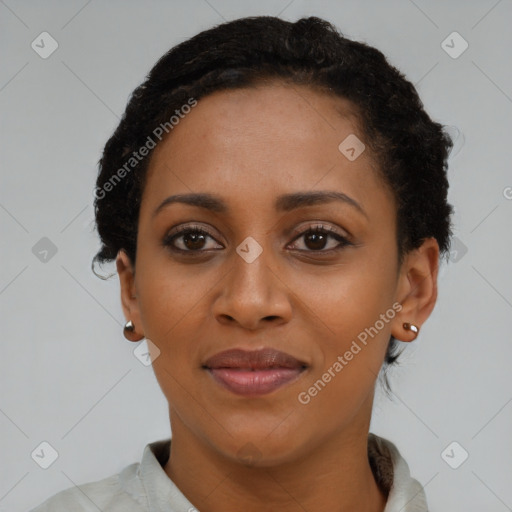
{"x":168,"y":292}
{"x":352,"y":315}
{"x":172,"y":313}
{"x":345,"y":301}
{"x":174,"y":305}
{"x":348,"y":363}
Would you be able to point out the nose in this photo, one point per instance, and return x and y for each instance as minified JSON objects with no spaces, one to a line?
{"x":252,"y":295}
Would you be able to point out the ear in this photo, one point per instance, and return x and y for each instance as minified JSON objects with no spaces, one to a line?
{"x":129,"y":300}
{"x":417,"y":288}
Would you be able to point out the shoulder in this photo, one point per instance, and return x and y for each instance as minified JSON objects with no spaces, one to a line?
{"x":122,"y":492}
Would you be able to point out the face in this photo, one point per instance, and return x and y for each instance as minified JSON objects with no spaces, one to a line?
{"x":297,"y":253}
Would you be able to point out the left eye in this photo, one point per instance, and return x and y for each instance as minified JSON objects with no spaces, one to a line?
{"x":317,"y":239}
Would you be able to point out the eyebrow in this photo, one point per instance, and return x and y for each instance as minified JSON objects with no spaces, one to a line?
{"x":284,"y":203}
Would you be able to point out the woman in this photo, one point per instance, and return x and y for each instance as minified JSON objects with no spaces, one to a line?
{"x":275,"y":199}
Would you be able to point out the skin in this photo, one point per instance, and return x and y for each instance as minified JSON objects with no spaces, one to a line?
{"x":249,"y":146}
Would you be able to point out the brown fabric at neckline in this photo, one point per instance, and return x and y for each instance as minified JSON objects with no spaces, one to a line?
{"x":381,"y":463}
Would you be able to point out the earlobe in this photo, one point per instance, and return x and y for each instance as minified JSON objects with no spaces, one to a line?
{"x":129,"y":300}
{"x":416,"y":290}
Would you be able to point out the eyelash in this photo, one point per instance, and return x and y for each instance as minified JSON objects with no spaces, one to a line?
{"x":192,"y":229}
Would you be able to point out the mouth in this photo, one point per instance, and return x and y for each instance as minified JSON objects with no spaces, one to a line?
{"x":254,"y":373}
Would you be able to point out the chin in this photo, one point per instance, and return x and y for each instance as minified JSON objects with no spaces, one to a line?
{"x":263,"y":448}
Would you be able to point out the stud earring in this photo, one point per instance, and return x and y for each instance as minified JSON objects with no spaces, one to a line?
{"x":411,"y":327}
{"x":129,"y":332}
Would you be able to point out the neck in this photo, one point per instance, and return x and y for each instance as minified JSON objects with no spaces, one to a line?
{"x":334,"y":474}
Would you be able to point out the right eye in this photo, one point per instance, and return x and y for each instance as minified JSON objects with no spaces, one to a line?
{"x":192,"y":239}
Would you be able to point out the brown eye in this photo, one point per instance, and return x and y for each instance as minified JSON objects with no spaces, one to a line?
{"x":317,"y":240}
{"x":190,"y":239}
{"x":193,"y":240}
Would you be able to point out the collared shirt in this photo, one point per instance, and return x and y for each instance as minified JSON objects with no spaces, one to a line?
{"x":146,"y":487}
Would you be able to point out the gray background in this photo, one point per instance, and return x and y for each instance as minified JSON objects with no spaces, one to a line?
{"x":68,"y":377}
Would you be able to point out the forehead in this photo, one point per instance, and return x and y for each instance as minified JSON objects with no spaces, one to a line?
{"x":282,"y":114}
{"x":262,"y":141}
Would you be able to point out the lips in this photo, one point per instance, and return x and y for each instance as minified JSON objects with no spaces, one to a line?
{"x":254,"y":373}
{"x":253,"y":360}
